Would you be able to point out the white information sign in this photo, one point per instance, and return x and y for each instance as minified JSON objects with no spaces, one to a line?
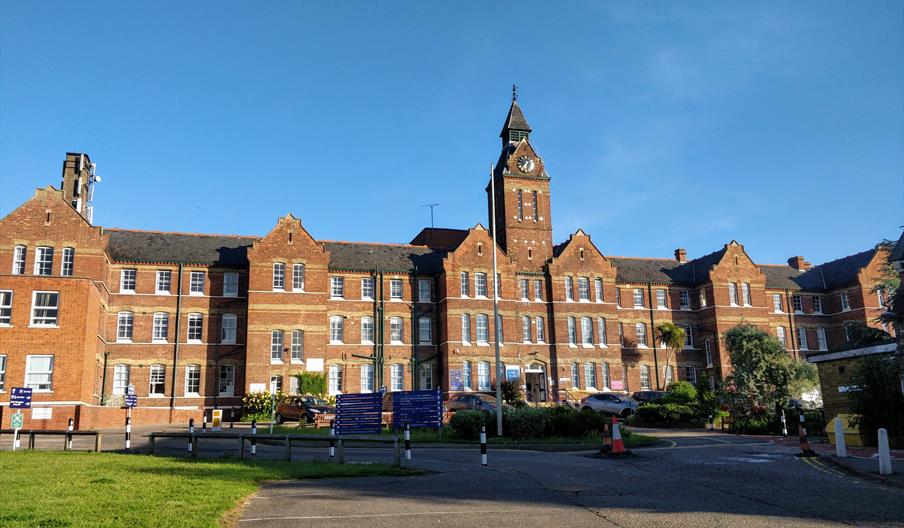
{"x":41,"y":413}
{"x":314,"y":365}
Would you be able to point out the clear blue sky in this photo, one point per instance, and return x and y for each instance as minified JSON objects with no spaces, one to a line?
{"x":662,"y":124}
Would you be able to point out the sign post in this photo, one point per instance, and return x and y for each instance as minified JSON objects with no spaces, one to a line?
{"x":20,"y":398}
{"x":272,"y":404}
{"x":131,"y":400}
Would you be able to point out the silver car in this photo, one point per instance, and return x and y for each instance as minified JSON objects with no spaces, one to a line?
{"x":610,"y":403}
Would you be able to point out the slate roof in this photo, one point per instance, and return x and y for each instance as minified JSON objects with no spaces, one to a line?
{"x":838,"y":273}
{"x":514,"y":120}
{"x":897,"y":253}
{"x":665,"y":271}
{"x":152,"y":246}
{"x":440,"y":237}
{"x":361,"y":256}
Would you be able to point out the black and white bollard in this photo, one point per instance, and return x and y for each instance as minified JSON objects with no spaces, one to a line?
{"x":232,"y":418}
{"x":483,"y":445}
{"x":204,"y":425}
{"x":407,"y":442}
{"x":191,"y":432}
{"x":885,"y":467}
{"x":784,"y":424}
{"x":712,"y":423}
{"x":69,"y":435}
{"x":253,"y":439}
{"x":332,"y":440}
{"x":128,"y":432}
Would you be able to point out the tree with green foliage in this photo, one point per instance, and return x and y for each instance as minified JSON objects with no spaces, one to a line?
{"x":862,"y":335}
{"x":875,"y":393}
{"x":511,"y":392}
{"x":672,"y":338}
{"x":313,"y":383}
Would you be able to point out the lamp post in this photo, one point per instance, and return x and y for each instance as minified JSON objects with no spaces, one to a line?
{"x":496,"y":306}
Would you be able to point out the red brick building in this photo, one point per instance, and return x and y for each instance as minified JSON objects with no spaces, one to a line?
{"x":194,"y":321}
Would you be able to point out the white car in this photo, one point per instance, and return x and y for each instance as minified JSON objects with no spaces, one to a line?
{"x":610,"y":403}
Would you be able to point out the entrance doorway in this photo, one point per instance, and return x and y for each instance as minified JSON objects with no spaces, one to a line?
{"x":535,"y":382}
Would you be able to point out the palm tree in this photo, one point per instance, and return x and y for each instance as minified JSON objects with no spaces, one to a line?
{"x":672,"y":338}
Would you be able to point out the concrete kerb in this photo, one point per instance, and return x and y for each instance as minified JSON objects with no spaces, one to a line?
{"x":845,"y":467}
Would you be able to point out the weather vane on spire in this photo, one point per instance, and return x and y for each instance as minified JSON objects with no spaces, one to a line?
{"x":514,"y":92}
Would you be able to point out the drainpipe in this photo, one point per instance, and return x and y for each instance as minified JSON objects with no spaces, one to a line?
{"x":176,"y":339}
{"x":103,"y":380}
{"x":377,"y":321}
{"x":653,"y":334}
{"x":791,"y":324}
{"x":415,"y":338}
{"x":382,"y":315}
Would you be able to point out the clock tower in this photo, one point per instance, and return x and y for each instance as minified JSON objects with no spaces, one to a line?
{"x":522,"y":195}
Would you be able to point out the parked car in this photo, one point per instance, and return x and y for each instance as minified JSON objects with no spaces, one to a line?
{"x":648,"y":396}
{"x":610,"y":403}
{"x":477,"y":402}
{"x":302,"y":408}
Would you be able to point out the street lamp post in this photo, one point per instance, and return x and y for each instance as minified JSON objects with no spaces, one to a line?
{"x":496,"y":306}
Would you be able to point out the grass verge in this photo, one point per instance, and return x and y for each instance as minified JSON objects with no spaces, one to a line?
{"x":58,"y":489}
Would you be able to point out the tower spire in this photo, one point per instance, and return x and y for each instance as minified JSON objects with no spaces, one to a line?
{"x":514,"y":92}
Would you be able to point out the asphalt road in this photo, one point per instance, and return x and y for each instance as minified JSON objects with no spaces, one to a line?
{"x":694,"y":480}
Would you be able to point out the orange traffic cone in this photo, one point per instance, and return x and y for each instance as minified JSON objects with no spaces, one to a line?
{"x":607,"y":439}
{"x":805,"y":450}
{"x":618,"y":445}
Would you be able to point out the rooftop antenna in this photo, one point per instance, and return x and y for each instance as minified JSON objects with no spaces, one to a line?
{"x":431,"y":206}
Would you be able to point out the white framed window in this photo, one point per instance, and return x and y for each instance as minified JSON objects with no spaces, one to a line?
{"x":337,"y":329}
{"x":45,"y":308}
{"x":335,"y":379}
{"x":163,"y":282}
{"x":39,"y":373}
{"x":638,"y":298}
{"x":661,"y":299}
{"x":777,"y":302}
{"x":781,"y":336}
{"x":228,"y":328}
{"x":226,"y":380}
{"x":337,"y":287}
{"x":541,"y":330}
{"x":482,"y":329}
{"x":575,"y":376}
{"x":525,"y":329}
{"x":587,"y":332}
{"x":6,"y":307}
{"x":668,"y":374}
{"x":120,"y":379}
{"x":195,"y":327}
{"x":275,"y":384}
{"x":396,"y":377}
{"x":298,"y":277}
{"x":297,"y":350}
{"x":802,"y":338}
{"x":367,"y":330}
{"x":230,"y":284}
{"x":583,"y":289}
{"x":690,"y":374}
{"x":395,"y":289}
{"x":395,"y":330}
{"x":466,"y":375}
{"x":702,"y":294}
{"x":618,"y":297}
{"x":367,"y":378}
{"x":497,"y":286}
{"x":294,"y":385}
{"x":621,"y":333}
{"x":424,"y":290}
{"x":279,"y":276}
{"x":160,"y":327}
{"x":590,"y":375}
{"x":465,"y":329}
{"x":569,"y":289}
{"x":43,"y":260}
{"x":572,"y":332}
{"x":684,"y":300}
{"x":598,"y":289}
{"x":708,"y":350}
{"x":733,"y":293}
{"x":196,"y":283}
{"x":68,"y":263}
{"x":465,"y":284}
{"x":367,"y":289}
{"x":524,"y":289}
{"x":157,"y":380}
{"x":538,"y":290}
{"x":127,"y":281}
{"x":641,"y":331}
{"x":601,"y":330}
{"x":483,"y":376}
{"x":19,"y":260}
{"x":192,"y":380}
{"x":644,"y":377}
{"x":425,"y":330}
{"x":688,"y":336}
{"x":276,"y":346}
{"x":798,"y":303}
{"x":500,"y":336}
{"x":520,"y":205}
{"x":821,"y":338}
{"x":845,"y":302}
{"x":480,"y":284}
{"x":124,"y":327}
{"x":745,"y":289}
{"x":607,"y":381}
{"x":817,"y":304}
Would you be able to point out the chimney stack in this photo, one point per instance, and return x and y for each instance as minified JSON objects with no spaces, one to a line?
{"x":799,"y":263}
{"x":681,"y":255}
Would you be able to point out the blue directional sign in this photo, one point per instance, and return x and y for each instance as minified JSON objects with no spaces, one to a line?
{"x":417,"y":409}
{"x":455,"y":380}
{"x":359,"y":413}
{"x":131,"y":401}
{"x":20,"y":398}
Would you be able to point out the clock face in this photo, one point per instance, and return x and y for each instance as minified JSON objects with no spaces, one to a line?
{"x":525,"y":164}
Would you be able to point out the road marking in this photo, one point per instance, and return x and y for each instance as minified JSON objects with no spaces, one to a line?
{"x":701,"y":446}
{"x":377,"y":515}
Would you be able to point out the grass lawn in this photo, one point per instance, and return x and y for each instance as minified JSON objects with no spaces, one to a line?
{"x":59,"y":489}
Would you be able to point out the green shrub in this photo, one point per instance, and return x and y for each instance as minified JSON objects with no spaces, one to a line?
{"x":667,"y":414}
{"x":511,"y":392}
{"x":528,"y":422}
{"x":525,"y":422}
{"x":681,"y":392}
{"x":258,"y":403}
{"x":466,"y":424}
{"x":562,"y":421}
{"x":313,"y":383}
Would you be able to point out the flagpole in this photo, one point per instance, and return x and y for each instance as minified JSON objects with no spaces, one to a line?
{"x":499,"y":374}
